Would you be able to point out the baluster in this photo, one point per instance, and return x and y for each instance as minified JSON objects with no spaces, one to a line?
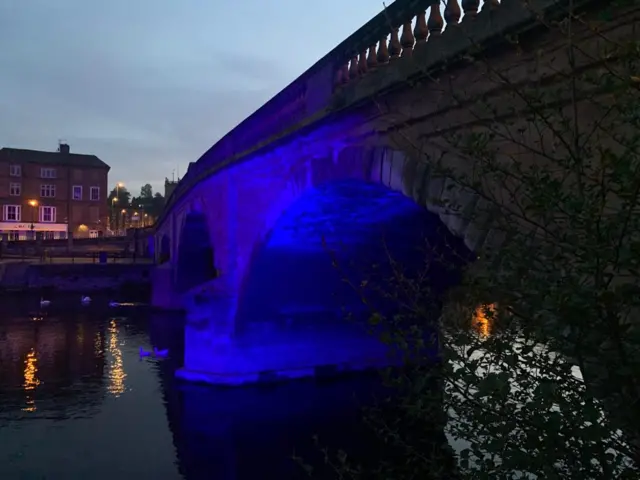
{"x":394,"y":45}
{"x":452,"y":12}
{"x":353,"y":68}
{"x":421,"y":32}
{"x":407,"y":40}
{"x":470,"y":7}
{"x":362,"y":62}
{"x":345,"y":72}
{"x":383,"y":51}
{"x":372,"y":61}
{"x":435,"y":22}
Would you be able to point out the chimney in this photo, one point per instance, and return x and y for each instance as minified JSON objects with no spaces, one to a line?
{"x":63,"y":148}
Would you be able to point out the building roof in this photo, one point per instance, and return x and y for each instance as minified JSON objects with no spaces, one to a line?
{"x":51,"y":158}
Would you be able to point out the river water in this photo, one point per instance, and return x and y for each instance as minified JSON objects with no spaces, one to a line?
{"x":77,"y":402}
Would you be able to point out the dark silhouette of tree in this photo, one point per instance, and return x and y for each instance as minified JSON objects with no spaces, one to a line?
{"x":122,"y":194}
{"x":146,"y":191}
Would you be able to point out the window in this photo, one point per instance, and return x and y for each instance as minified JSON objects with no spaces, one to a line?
{"x":48,"y":214}
{"x":95,"y":193}
{"x":12,"y":213}
{"x":47,"y":173}
{"x":15,"y":189}
{"x":15,"y":170}
{"x":48,"y":191}
{"x":77,"y":192}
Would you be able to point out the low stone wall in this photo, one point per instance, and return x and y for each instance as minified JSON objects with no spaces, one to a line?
{"x":83,"y":277}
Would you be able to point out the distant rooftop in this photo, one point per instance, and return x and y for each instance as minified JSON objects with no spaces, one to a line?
{"x":62,"y":157}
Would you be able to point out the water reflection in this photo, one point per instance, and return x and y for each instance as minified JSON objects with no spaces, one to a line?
{"x":75,"y":368}
{"x":116,"y":366}
{"x":30,"y":380}
{"x":47,"y":364}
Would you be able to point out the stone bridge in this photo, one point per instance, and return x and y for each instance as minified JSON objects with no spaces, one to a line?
{"x":340,"y":155}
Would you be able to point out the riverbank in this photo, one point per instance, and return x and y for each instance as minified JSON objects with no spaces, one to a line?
{"x":26,"y":276}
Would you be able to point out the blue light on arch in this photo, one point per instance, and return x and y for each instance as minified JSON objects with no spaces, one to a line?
{"x":358,"y":224}
{"x":348,"y":211}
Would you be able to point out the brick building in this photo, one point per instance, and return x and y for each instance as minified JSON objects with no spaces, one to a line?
{"x":52,"y":193}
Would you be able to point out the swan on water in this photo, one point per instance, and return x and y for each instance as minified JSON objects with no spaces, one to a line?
{"x":113,"y":304}
{"x":160,"y":353}
{"x":85,"y":300}
{"x":44,"y":303}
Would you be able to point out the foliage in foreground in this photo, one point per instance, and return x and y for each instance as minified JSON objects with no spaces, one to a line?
{"x":554,"y":390}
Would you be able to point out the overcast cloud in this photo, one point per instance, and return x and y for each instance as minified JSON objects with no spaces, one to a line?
{"x":149,"y":85}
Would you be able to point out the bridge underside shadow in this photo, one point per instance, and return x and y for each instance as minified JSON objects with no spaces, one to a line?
{"x":195,"y":264}
{"x":301,"y":312}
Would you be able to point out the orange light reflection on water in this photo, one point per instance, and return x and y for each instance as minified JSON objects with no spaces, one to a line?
{"x":116,"y":367}
{"x":31,"y":380}
{"x":483,"y":319}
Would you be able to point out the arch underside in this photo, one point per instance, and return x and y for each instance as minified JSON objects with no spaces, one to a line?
{"x":195,"y":263}
{"x":165,"y":249}
{"x":306,"y":277}
{"x":288,"y":309}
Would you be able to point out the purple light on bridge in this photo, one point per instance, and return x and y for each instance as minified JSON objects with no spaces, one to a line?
{"x":281,"y":218}
{"x":296,"y":292}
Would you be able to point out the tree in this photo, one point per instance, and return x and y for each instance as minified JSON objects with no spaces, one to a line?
{"x":146,"y":191}
{"x":554,"y":168}
{"x":123,"y":197}
{"x":153,"y":206}
{"x":156,"y":205}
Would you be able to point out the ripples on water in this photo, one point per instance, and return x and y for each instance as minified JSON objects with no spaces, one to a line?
{"x":77,"y":402}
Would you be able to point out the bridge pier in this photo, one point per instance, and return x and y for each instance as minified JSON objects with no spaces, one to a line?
{"x":216,"y":353}
{"x":276,"y":356}
{"x":163,"y":293}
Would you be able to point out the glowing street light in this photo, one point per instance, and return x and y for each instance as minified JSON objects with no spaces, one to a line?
{"x":34,"y":204}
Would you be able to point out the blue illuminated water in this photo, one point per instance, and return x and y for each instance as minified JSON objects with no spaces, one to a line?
{"x":77,"y":402}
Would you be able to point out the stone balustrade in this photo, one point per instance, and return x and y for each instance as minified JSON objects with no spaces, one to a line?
{"x":392,"y":36}
{"x":402,"y":35}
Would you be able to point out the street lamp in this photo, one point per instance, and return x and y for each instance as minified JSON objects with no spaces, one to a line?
{"x":114,"y":219}
{"x":115,"y":199}
{"x":119,"y":185}
{"x":123,"y":219}
{"x":34,"y":204}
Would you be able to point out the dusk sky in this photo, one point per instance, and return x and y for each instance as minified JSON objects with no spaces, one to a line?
{"x":150,"y":85}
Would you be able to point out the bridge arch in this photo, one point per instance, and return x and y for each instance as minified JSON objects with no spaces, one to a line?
{"x":342,"y":230}
{"x":164,"y":250}
{"x":195,"y":263}
{"x":397,"y":171}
